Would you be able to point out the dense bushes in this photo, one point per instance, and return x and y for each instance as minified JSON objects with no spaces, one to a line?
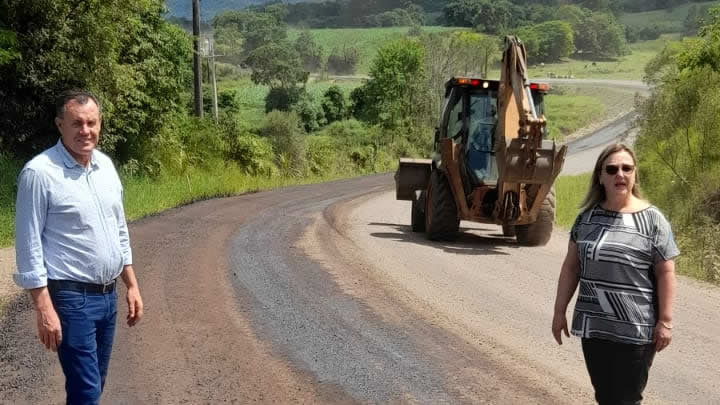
{"x":677,"y":146}
{"x":126,"y":52}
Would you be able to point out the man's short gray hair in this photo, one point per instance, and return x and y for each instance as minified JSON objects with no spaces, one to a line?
{"x":80,"y":96}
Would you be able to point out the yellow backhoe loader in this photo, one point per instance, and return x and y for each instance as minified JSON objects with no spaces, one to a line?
{"x":491,"y":161}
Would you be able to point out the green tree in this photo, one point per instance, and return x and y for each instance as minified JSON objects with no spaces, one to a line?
{"x":548,"y":42}
{"x":461,"y":13}
{"x":309,"y":51}
{"x":475,"y":52}
{"x":276,"y":64}
{"x":706,"y":50}
{"x":394,"y":90}
{"x":600,"y":36}
{"x":255,"y":28}
{"x":496,"y":16}
{"x":8,"y":47}
{"x":677,"y":145}
{"x":135,"y":61}
{"x":334,"y":104}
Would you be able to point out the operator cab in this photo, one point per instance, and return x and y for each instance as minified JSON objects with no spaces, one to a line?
{"x":470,"y":119}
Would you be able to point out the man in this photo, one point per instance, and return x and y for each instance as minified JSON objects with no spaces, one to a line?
{"x":72,"y":243}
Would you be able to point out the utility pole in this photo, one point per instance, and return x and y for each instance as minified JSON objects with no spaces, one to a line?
{"x":211,"y":63}
{"x":197,"y":65}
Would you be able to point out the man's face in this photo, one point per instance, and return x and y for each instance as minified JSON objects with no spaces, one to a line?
{"x":80,"y":129}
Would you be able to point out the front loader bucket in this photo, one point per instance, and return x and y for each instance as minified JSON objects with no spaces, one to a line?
{"x":412,"y":175}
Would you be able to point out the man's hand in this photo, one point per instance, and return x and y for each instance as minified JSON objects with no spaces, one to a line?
{"x":135,"y":306}
{"x":48,"y":322}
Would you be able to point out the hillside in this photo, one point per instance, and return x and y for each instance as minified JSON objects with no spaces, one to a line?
{"x":208,"y":9}
{"x":670,"y":19}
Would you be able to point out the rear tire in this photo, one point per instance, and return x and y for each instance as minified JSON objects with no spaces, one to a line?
{"x":539,"y":233}
{"x":508,"y":230}
{"x":417,"y":214}
{"x":441,"y":216}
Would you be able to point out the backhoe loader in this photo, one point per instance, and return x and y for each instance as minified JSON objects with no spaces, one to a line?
{"x":491,"y":162}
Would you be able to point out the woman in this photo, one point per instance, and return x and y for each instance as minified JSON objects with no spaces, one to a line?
{"x":621,"y":253}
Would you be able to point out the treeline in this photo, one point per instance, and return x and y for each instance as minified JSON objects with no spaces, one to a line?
{"x":549,"y":34}
{"x":125,"y":51}
{"x":374,"y":13}
{"x":678,"y":145}
{"x":355,"y":13}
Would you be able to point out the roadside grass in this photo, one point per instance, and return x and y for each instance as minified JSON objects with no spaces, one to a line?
{"x":670,"y":19}
{"x":569,"y":193}
{"x":567,"y":113}
{"x":146,"y":196}
{"x":570,"y":108}
{"x":365,"y":40}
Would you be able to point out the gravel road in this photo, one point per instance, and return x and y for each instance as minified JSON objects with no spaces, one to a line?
{"x":322,"y":294}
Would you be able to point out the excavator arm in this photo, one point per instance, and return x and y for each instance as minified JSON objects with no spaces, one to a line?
{"x":527,"y":164}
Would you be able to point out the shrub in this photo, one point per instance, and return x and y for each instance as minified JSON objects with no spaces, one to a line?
{"x":333,"y":104}
{"x":310,"y":113}
{"x":281,"y":98}
{"x":227,"y":100}
{"x":283,"y":131}
{"x":322,"y":154}
{"x":252,"y":153}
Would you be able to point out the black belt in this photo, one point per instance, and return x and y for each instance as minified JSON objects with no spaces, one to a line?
{"x":78,"y":286}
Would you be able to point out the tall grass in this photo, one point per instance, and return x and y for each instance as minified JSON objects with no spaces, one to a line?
{"x":145,"y":196}
{"x":569,"y":193}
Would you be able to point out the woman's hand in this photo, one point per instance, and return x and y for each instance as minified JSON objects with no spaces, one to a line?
{"x":559,"y":325}
{"x":662,"y":335}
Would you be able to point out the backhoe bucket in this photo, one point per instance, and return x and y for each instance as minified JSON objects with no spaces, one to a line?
{"x":412,"y":175}
{"x":527,"y":164}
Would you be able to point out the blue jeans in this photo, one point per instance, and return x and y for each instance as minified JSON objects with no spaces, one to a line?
{"x":88,"y":328}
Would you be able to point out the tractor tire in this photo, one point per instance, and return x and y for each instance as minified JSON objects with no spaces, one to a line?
{"x":441,"y":216}
{"x":508,"y":230}
{"x":417,"y":214}
{"x":539,"y":233}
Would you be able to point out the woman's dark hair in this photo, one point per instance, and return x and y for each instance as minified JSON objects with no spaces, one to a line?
{"x":596,"y":193}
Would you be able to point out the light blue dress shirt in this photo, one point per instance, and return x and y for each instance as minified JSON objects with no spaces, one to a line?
{"x":69,"y":221}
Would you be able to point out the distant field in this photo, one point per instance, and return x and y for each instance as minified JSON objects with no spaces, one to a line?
{"x":366,"y":40}
{"x":671,"y":18}
{"x":629,"y":67}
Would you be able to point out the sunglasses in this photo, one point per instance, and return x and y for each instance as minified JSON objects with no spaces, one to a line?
{"x":613,"y":169}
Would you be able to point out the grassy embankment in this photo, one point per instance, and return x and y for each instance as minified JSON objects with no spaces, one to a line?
{"x":670,"y":19}
{"x":569,"y":192}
